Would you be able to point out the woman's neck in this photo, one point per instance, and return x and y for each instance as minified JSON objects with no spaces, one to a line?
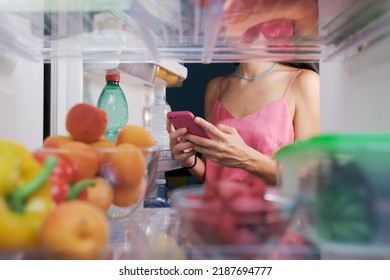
{"x":251,"y":69}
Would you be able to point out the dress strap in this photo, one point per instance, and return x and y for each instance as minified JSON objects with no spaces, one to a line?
{"x":220,"y":86}
{"x":292,"y":81}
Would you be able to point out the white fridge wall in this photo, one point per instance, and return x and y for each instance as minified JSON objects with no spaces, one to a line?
{"x":21,"y":102}
{"x":355,"y":94}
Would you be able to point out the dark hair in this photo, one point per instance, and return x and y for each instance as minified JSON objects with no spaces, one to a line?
{"x":302,"y":65}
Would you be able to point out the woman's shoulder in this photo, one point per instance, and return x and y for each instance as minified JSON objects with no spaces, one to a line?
{"x":306,"y":87}
{"x":307,"y":79}
{"x":308,"y":74}
{"x":215,"y":82}
{"x":215,"y":85}
{"x":213,"y":90}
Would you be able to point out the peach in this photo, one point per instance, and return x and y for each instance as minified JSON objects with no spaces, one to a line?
{"x":101,"y":194}
{"x":84,"y":157}
{"x":56,"y":141}
{"x":136,"y":135}
{"x":86,"y":123}
{"x":75,"y":230}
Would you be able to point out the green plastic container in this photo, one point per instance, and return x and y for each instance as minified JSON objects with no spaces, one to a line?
{"x":344,"y":180}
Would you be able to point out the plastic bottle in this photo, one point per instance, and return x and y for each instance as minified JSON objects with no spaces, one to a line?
{"x":113,"y":101}
{"x":158,"y":114}
{"x":159,"y":199}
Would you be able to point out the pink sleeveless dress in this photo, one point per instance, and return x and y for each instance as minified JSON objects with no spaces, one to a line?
{"x":266,"y":130}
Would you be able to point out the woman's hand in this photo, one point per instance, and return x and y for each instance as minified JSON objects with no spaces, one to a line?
{"x":225,"y":147}
{"x":182,"y":149}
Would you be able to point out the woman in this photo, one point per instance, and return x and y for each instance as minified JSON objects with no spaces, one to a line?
{"x":249,"y":115}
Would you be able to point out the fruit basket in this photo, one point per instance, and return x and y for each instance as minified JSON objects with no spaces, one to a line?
{"x":120,"y":176}
{"x":63,"y":201}
{"x":236,"y":216}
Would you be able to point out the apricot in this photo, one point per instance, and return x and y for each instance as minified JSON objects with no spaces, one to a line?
{"x":75,"y":230}
{"x":102,"y":143}
{"x":101,"y":195}
{"x":102,"y":147}
{"x":125,"y":166}
{"x":83,"y":156}
{"x":86,"y":123}
{"x":127,"y":196}
{"x":136,"y":135}
{"x":56,"y":141}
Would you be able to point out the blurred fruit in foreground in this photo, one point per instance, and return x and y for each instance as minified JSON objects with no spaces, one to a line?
{"x":86,"y":123}
{"x":127,"y":196}
{"x":75,"y":230}
{"x":25,"y":198}
{"x":136,"y":135}
{"x":127,"y":165}
{"x":165,"y":247}
{"x":102,"y":143}
{"x":101,"y":194}
{"x":56,"y":141}
{"x":83,"y":156}
{"x":235,"y":213}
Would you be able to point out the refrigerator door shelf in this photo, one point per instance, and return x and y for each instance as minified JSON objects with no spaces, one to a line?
{"x":50,"y":6}
{"x":194,"y":30}
{"x":187,"y":30}
{"x":20,"y":38}
{"x":358,"y":27}
{"x":166,"y":73}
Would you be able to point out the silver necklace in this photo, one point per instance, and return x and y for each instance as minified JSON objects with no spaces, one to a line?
{"x":257,"y":76}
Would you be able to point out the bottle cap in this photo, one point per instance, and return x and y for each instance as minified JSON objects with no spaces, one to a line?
{"x":113,"y":76}
{"x":161,"y":181}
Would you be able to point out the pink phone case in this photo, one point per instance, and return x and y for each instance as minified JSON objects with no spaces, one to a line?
{"x":185,"y":119}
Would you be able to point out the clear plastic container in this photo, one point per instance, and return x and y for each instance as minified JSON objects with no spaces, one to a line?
{"x":209,"y":221}
{"x":158,"y":115}
{"x":159,"y":195}
{"x":343,"y":180}
{"x":113,"y":101}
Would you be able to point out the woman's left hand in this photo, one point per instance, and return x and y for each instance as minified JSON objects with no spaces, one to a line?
{"x":225,"y":147}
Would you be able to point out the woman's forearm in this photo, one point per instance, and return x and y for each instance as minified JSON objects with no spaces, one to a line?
{"x":198,"y":170}
{"x":262,"y":166}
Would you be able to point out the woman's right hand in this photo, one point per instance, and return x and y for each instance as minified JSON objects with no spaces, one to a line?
{"x":181,"y":148}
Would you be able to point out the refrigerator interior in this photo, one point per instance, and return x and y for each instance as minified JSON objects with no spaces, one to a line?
{"x":73,"y":36}
{"x":82,"y":39}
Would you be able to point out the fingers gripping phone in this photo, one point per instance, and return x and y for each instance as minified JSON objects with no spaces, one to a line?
{"x":185,"y":119}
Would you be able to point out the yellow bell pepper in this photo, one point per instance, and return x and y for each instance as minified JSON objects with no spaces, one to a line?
{"x":25,"y":199}
{"x":9,"y":168}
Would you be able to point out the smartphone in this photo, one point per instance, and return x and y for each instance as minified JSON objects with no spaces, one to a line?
{"x":185,"y":119}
